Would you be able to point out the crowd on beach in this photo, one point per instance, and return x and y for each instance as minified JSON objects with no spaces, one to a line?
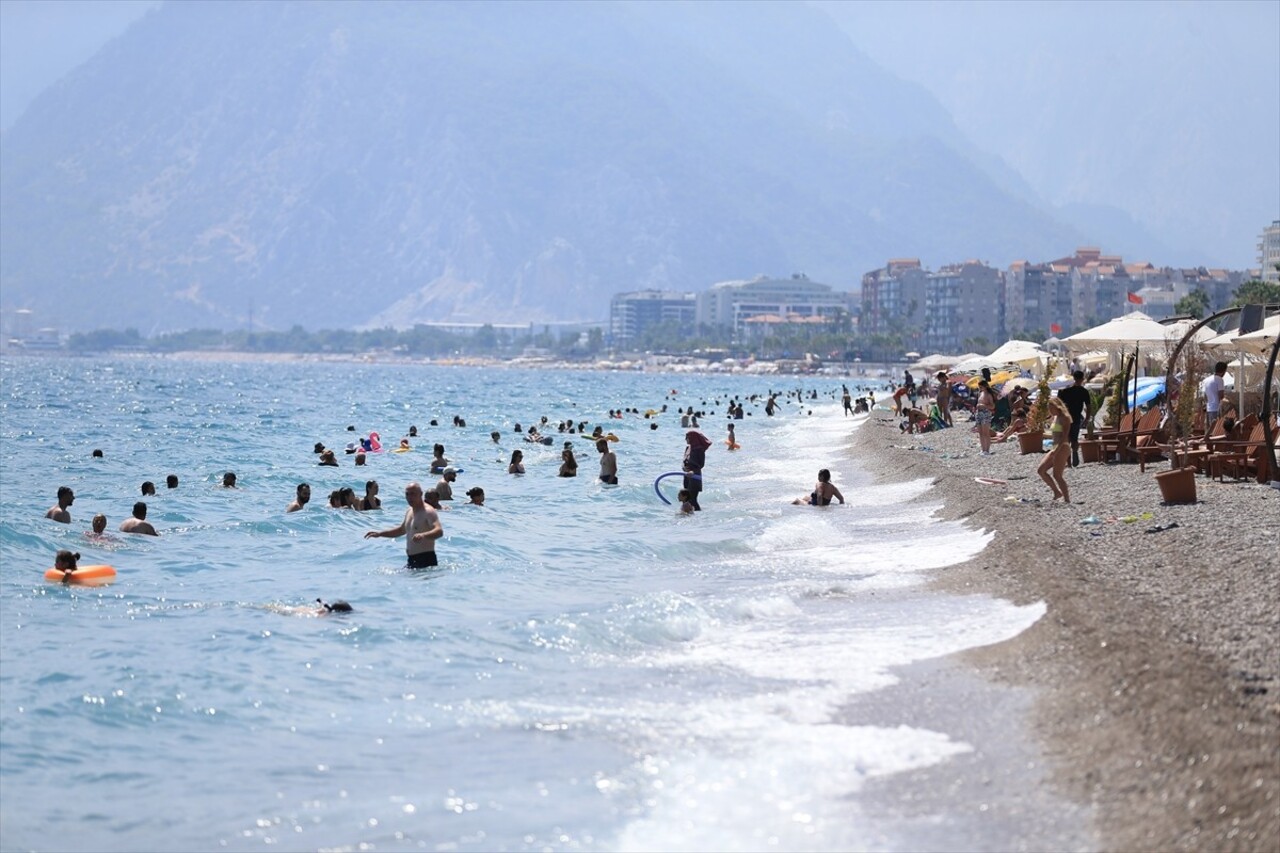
{"x":421,"y":526}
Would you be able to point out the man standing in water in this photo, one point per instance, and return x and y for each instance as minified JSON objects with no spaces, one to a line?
{"x":61,"y":512}
{"x":304,"y":496}
{"x":608,"y":463}
{"x":422,"y":526}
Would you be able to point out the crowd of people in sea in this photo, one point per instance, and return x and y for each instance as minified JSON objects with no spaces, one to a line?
{"x":421,"y":526}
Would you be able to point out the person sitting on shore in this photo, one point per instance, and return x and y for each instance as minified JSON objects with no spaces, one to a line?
{"x":1016,"y":425}
{"x":822,"y":493}
{"x":61,"y":512}
{"x":139,"y":523}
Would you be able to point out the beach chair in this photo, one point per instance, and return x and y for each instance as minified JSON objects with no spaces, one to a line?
{"x":1116,"y":445}
{"x":1243,"y":459}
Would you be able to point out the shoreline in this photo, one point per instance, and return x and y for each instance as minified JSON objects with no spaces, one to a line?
{"x":1155,"y":671}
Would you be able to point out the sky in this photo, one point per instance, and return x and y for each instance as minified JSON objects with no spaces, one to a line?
{"x":1168,"y":112}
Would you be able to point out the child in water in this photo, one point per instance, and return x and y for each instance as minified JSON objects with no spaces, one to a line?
{"x":686,"y":505}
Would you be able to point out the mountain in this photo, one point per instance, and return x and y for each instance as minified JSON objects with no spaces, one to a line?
{"x":340,"y":164}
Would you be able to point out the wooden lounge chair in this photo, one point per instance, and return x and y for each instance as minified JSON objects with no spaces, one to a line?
{"x":1242,"y":459}
{"x":1117,"y":446}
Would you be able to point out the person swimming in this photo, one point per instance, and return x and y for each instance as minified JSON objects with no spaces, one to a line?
{"x":338,"y":606}
{"x":65,"y":562}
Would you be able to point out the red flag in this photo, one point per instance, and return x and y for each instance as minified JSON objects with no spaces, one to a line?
{"x":1135,"y":299}
{"x":1055,"y":329}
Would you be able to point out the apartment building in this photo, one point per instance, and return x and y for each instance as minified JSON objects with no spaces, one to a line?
{"x":1038,"y":300}
{"x":1269,"y":252}
{"x":893,"y":300}
{"x":632,"y":314}
{"x":731,"y":303}
{"x":963,"y":306}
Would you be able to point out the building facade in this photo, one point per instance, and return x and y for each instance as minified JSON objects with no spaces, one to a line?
{"x":964,"y":308}
{"x":1269,"y":252}
{"x":632,"y":314}
{"x":729,"y":304}
{"x":894,"y":300}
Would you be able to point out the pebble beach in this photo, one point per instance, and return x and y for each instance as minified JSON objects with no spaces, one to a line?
{"x":1154,"y":674}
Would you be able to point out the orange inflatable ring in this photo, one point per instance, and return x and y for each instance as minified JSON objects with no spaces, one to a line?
{"x":84,"y":575}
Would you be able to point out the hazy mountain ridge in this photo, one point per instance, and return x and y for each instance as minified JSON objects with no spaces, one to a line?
{"x":338,"y":164}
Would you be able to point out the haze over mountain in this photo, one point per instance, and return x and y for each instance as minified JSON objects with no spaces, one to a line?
{"x":1166,"y":113}
{"x":341,"y":164}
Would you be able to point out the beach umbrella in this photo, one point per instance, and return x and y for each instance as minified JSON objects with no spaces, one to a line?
{"x":1022,"y":353}
{"x":975,"y":364}
{"x":1259,"y":343}
{"x":1018,"y":382}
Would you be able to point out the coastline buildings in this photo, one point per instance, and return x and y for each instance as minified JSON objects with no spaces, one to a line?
{"x":894,"y":300}
{"x":1269,"y":252}
{"x":632,"y":314}
{"x":730,"y":304}
{"x":963,"y":309}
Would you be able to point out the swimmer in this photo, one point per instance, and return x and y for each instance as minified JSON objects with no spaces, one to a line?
{"x":686,"y":506}
{"x":61,"y":512}
{"x":360,"y":457}
{"x":476,"y":494}
{"x":370,"y":499}
{"x":148,"y":488}
{"x":568,"y":464}
{"x":99,"y":533}
{"x":732,"y":441}
{"x":229,"y":480}
{"x":97,"y":454}
{"x":822,"y":493}
{"x":171,"y":481}
{"x":438,"y":460}
{"x":65,"y":562}
{"x":302,"y":499}
{"x":338,"y":606}
{"x":517,"y":463}
{"x":444,"y":488}
{"x":327,"y":457}
{"x":496,"y":436}
{"x":413,"y":432}
{"x":139,"y":523}
{"x":422,"y":527}
{"x":405,"y":445}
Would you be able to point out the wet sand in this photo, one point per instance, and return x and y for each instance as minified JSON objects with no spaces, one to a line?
{"x":1150,"y":690}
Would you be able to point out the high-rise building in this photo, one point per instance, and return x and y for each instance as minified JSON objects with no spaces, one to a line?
{"x":632,"y":314}
{"x":964,"y":308}
{"x":1038,"y":298}
{"x":731,"y":303}
{"x":1269,"y":252}
{"x":893,"y":300}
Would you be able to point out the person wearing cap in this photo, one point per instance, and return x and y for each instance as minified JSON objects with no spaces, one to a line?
{"x":443,"y":488}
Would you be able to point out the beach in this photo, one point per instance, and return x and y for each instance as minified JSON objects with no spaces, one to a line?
{"x":1154,"y":677}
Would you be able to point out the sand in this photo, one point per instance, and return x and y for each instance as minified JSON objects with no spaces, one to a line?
{"x":1153,"y":717}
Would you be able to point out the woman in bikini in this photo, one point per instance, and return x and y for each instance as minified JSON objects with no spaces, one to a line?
{"x":1055,"y":461}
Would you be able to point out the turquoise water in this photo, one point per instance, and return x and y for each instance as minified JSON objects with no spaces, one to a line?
{"x":586,"y":669}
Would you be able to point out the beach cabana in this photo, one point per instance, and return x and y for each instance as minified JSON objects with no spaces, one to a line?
{"x":1134,"y":329}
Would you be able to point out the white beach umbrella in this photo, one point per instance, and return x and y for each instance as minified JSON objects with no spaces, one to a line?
{"x":1022,"y":353}
{"x":975,"y":364}
{"x":1261,"y":341}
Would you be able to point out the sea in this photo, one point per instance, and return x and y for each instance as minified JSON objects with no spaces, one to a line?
{"x":586,"y":669}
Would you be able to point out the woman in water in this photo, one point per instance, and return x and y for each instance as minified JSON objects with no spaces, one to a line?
{"x":568,"y":464}
{"x":517,"y":463}
{"x":476,"y":494}
{"x":1055,"y":461}
{"x":822,"y":493}
{"x":695,"y":457}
